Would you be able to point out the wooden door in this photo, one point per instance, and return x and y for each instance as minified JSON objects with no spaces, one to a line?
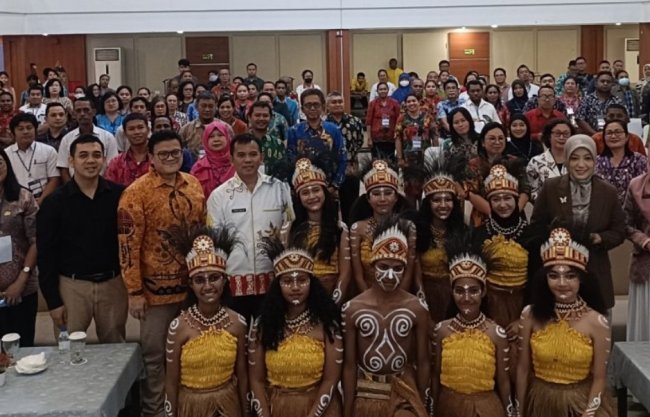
{"x":207,"y":53}
{"x":469,"y":51}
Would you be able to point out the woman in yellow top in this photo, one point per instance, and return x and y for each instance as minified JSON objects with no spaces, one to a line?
{"x":317,"y":229}
{"x":471,"y":362}
{"x":206,"y":353}
{"x":564,"y":338}
{"x":440,"y":220}
{"x":381,"y":200}
{"x":295,"y":349}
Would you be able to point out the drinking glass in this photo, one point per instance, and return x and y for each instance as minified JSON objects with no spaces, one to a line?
{"x":11,"y":344}
{"x":77,"y":345}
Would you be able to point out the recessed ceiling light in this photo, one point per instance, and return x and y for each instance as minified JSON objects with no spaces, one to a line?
{"x":494,"y":26}
{"x":180,"y":32}
{"x":45,"y":34}
{"x":618,"y":24}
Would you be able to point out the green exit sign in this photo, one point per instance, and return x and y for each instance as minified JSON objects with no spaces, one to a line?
{"x":469,"y":52}
{"x":207,"y":57}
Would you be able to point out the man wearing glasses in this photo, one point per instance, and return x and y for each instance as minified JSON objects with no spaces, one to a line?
{"x":544,"y":111}
{"x":315,"y":136}
{"x":153,"y":272}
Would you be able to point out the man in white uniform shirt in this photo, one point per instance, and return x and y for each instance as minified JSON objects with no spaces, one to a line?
{"x":257,"y":205}
{"x":482,"y":112}
{"x":34,"y":103}
{"x":84,"y":110}
{"x":34,"y":163}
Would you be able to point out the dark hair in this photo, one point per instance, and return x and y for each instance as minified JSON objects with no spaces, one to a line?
{"x":444,"y":61}
{"x":86,"y":99}
{"x":224,"y":98}
{"x":414,"y":74}
{"x":136,"y":99}
{"x":244,"y":139}
{"x":268,"y":82}
{"x":87,"y":138}
{"x":380,"y":83}
{"x":105,"y":97}
{"x":481,"y":138}
{"x":455,"y":138}
{"x":164,"y":116}
{"x":361,"y":74}
{"x":466,"y":82}
{"x":124,"y":87}
{"x":273,"y":312}
{"x":380,"y":71}
{"x":499,"y":104}
{"x":305,"y":72}
{"x":570,"y":77}
{"x":260,"y":105}
{"x":450,"y":81}
{"x":547,"y":87}
{"x":601,"y":73}
{"x":241,"y":80}
{"x":522,"y":66}
{"x":618,"y":107}
{"x":519,"y":83}
{"x":156,"y":100}
{"x":572,"y":63}
{"x":330,"y":233}
{"x":604,"y":61}
{"x":251,"y":64}
{"x":619,"y":72}
{"x":473,"y":82}
{"x":499,"y":69}
{"x":543,"y":300}
{"x":547,"y":75}
{"x":280,"y":82}
{"x":263,"y":94}
{"x":11,"y":185}
{"x":48,"y":84}
{"x":550,"y":125}
{"x":184,"y":62}
{"x":6,"y":93}
{"x":47,"y":70}
{"x":89,"y":91}
{"x":362,"y":210}
{"x":618,"y":60}
{"x":454,"y":224}
{"x":144,"y":88}
{"x":206,"y":96}
{"x":35,"y":87}
{"x":581,"y":58}
{"x":524,"y":119}
{"x":51,"y":105}
{"x":313,"y":92}
{"x":181,"y":86}
{"x":411,"y":94}
{"x":20,"y":118}
{"x":163,"y":136}
{"x":606,"y":150}
{"x":134,"y":116}
{"x":32,"y":77}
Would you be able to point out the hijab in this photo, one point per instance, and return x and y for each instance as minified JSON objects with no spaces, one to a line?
{"x":517,"y":104}
{"x":401,"y":92}
{"x":215,"y":167}
{"x":580,"y":189}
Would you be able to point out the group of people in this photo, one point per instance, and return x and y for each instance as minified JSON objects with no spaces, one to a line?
{"x":274,"y":273}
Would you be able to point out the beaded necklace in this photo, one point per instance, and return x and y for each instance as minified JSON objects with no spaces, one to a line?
{"x":512,"y":232}
{"x":571,"y":311}
{"x":219,"y":321}
{"x":301,"y":324}
{"x":459,"y":324}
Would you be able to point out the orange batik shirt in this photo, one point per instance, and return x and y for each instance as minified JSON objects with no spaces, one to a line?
{"x":151,"y":268}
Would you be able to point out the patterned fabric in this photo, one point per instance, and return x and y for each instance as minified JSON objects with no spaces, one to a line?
{"x":630,"y":101}
{"x":352,"y":129}
{"x":123,"y":169}
{"x":446,"y":106}
{"x":48,"y":139}
{"x":621,"y":175}
{"x":150,"y":268}
{"x":466,"y":149}
{"x":273,"y":148}
{"x":592,"y":108}
{"x":278,"y":126}
{"x":572,"y":103}
{"x":110,"y":126}
{"x":180,"y":119}
{"x":191,"y":134}
{"x":539,"y":169}
{"x":532,"y":104}
{"x":303,"y":139}
{"x":18,"y":220}
{"x":409,"y":129}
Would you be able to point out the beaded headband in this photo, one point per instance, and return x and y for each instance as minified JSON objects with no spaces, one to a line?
{"x":467,"y":265}
{"x":500,"y":181}
{"x":205,"y":257}
{"x":381,"y":175}
{"x":390,"y":244}
{"x":440,"y":183}
{"x":306,"y":174}
{"x":293,"y":260}
{"x":561,"y":250}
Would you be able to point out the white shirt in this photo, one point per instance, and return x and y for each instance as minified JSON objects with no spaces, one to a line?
{"x":374,"y":94}
{"x":481,"y":114}
{"x":38,"y":111}
{"x":34,"y":166}
{"x":110,"y":147}
{"x":532,"y":89}
{"x":256,"y":214}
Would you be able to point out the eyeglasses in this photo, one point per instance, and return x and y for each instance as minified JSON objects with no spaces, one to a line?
{"x":163,"y":155}
{"x":560,"y":134}
{"x":614,"y":132}
{"x":312,"y":106}
{"x":547,"y":96}
{"x":210,"y":279}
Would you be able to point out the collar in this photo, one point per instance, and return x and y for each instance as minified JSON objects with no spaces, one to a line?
{"x":71,"y":188}
{"x":31,"y":147}
{"x":261,"y":179}
{"x":96,"y":130}
{"x":157,"y":179}
{"x":129,"y":155}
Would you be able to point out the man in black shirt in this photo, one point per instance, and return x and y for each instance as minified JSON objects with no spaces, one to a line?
{"x":78,"y":251}
{"x":56,"y":120}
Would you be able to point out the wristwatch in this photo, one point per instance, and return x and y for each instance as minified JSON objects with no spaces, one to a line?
{"x":27,"y":270}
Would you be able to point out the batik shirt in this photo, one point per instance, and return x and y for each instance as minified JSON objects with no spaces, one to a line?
{"x":539,"y":169}
{"x":592,"y":108}
{"x":352,"y":129}
{"x":620,"y":176}
{"x":411,"y":130}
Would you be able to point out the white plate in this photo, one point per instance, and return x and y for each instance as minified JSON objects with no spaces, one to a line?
{"x":30,"y":371}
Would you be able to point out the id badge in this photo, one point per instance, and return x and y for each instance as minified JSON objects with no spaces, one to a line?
{"x":417,"y":143}
{"x":6,"y":249}
{"x":385,"y":121}
{"x":35,"y":187}
{"x":601,"y":123}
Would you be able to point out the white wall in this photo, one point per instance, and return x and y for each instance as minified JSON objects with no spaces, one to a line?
{"x":146,"y":16}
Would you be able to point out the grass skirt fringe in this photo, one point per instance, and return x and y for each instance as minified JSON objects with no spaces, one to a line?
{"x":482,"y":404}
{"x":545,"y":399}
{"x":298,"y":402}
{"x":222,"y":401}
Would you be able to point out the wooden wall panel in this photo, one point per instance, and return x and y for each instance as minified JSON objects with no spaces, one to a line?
{"x":592,"y":45}
{"x":644,"y":47}
{"x":45,"y":51}
{"x":338,"y":63}
{"x":460,"y":62}
{"x":209,"y":53}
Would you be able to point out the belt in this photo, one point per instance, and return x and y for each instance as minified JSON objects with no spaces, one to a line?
{"x":250,"y":284}
{"x":97,"y":277}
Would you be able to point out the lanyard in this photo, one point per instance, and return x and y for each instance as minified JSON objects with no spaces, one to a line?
{"x":31,"y":161}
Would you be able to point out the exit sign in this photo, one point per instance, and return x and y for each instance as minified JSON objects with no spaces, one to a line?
{"x":469,"y":52}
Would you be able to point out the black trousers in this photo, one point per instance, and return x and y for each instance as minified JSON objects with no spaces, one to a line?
{"x":21,"y":319}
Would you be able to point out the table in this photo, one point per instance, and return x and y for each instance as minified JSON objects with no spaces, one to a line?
{"x":630,"y":369}
{"x":97,"y":388}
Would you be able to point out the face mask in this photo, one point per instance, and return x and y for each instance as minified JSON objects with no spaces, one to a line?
{"x":308,"y":80}
{"x":79,"y":95}
{"x":624,"y":82}
{"x":212,"y":78}
{"x":404,"y":83}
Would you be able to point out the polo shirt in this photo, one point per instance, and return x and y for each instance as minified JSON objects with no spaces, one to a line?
{"x":34,"y":166}
{"x":537,"y":121}
{"x":38,"y":112}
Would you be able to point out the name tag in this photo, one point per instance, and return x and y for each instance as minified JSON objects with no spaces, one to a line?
{"x":239,"y":210}
{"x":417,"y":143}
